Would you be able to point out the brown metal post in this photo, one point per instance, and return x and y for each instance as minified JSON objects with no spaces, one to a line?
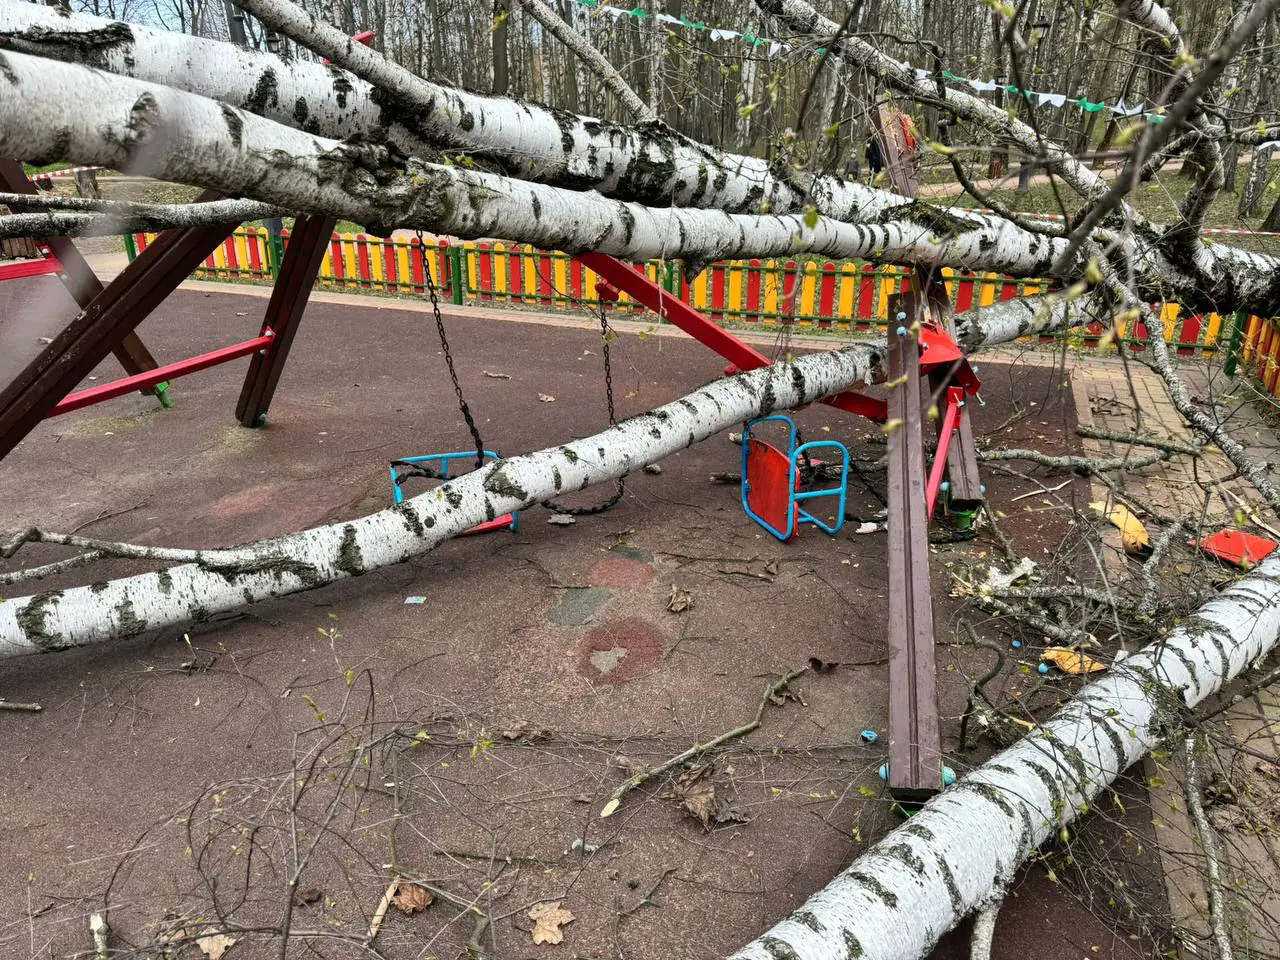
{"x":77,"y":276}
{"x":915,"y":750}
{"x":302,"y":259}
{"x":87,"y":340}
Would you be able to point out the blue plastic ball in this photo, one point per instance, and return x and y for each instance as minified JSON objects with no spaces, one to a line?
{"x":884,"y":771}
{"x":1043,"y":668}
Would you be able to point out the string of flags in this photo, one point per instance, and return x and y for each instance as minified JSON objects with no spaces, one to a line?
{"x":774,"y":47}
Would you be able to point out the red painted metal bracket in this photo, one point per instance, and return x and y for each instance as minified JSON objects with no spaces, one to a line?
{"x":30,"y":268}
{"x":950,"y":422}
{"x":742,"y":355}
{"x":170,"y":371}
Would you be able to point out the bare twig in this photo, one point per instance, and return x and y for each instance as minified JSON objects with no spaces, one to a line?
{"x":1151,"y":592}
{"x":1210,"y":848}
{"x":773,"y":691}
{"x":21,"y":707}
{"x":1083,"y":465}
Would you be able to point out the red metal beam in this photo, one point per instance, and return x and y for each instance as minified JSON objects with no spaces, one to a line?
{"x":680,"y":314}
{"x":170,"y":371}
{"x":950,"y":421}
{"x":29,"y":268}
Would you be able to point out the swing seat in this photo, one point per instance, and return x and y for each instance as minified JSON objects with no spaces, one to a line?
{"x":771,"y":494}
{"x":441,"y":462}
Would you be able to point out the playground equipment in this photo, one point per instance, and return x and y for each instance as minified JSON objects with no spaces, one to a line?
{"x":422,"y":466}
{"x":771,"y":493}
{"x":920,"y":351}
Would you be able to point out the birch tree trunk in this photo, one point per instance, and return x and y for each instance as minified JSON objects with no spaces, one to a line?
{"x":625,"y":162}
{"x":895,"y":901}
{"x":227,"y":579}
{"x":175,"y":136}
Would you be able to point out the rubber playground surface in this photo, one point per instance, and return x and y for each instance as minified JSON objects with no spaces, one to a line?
{"x":511,"y":681}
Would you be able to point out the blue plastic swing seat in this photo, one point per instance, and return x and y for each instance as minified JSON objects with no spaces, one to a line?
{"x":771,"y":494}
{"x":509,"y":521}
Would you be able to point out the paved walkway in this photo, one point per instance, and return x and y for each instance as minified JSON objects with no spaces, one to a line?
{"x":1243,"y":774}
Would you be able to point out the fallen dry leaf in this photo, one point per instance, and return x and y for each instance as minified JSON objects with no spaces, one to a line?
{"x":546,"y":398}
{"x":308,"y":896}
{"x":1133,"y":535}
{"x":516,"y":730}
{"x":547,"y":919}
{"x":699,"y":795}
{"x":214,"y":945}
{"x":412,"y":898}
{"x":496,"y":376}
{"x":1072,"y":661}
{"x":680,"y":599}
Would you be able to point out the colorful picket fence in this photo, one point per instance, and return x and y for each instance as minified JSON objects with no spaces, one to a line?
{"x":845,"y":296}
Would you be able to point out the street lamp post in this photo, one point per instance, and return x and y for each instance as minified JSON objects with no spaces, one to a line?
{"x":1038,"y":30}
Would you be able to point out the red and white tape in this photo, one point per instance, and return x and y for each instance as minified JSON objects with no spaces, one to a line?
{"x":50,"y":174}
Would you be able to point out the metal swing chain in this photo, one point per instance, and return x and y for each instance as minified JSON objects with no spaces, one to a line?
{"x":606,"y":334}
{"x":448,"y":357}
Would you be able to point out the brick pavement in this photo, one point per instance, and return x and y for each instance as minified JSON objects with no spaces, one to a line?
{"x":1128,"y":398}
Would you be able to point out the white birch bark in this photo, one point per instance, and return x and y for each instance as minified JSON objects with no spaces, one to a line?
{"x":228,"y":579}
{"x":146,"y":128}
{"x":895,"y":901}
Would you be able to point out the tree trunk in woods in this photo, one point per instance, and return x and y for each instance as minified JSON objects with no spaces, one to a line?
{"x":1256,"y":184}
{"x":1272,"y":222}
{"x":501,"y":70}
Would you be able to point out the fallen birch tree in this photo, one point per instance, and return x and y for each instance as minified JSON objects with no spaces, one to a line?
{"x":215,"y":581}
{"x":647,"y":164}
{"x":895,"y":901}
{"x":222,"y":580}
{"x":146,"y":128}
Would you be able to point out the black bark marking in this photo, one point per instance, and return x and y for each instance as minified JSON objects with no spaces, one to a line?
{"x":165,"y":581}
{"x":499,"y":483}
{"x":778,"y":949}
{"x":301,"y":111}
{"x":88,"y":47}
{"x":130,"y":623}
{"x":350,"y":560}
{"x":875,"y":886}
{"x":265,"y":93}
{"x":31,"y":620}
{"x":410,"y":517}
{"x":235,"y":125}
{"x":808,"y":919}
